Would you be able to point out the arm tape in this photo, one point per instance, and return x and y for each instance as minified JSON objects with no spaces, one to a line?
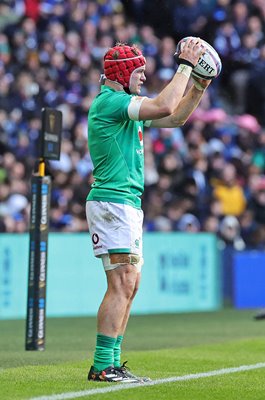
{"x":134,"y":107}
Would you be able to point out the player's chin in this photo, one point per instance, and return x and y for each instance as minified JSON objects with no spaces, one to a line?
{"x":136,"y":91}
{"x":139,"y":89}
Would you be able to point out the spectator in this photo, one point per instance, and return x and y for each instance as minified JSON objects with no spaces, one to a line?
{"x":188,"y":18}
{"x":189,"y":223}
{"x":229,"y":192}
{"x":229,"y":233}
{"x":211,"y":224}
{"x":257,"y":202}
{"x":255,"y":92}
{"x":50,"y":56}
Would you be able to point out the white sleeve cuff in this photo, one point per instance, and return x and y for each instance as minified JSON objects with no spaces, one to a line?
{"x":134,"y":107}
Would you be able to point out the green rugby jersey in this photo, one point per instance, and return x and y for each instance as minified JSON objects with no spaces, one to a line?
{"x":116,"y":147}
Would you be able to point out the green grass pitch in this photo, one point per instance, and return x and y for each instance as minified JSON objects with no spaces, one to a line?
{"x":158,"y":346}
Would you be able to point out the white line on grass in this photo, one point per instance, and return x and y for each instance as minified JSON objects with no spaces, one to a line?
{"x":114,"y":387}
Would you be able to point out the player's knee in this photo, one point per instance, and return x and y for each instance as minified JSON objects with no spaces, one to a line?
{"x":123,"y":272}
{"x":128,"y":281}
{"x":135,"y":290}
{"x":122,"y":282}
{"x":136,"y":286}
{"x":131,"y":282}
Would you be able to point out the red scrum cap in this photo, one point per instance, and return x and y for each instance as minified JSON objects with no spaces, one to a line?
{"x":120,"y":61}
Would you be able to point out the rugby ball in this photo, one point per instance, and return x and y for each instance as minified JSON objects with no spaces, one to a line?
{"x":209,"y":65}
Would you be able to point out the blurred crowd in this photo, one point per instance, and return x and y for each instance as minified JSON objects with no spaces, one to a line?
{"x":208,"y":175}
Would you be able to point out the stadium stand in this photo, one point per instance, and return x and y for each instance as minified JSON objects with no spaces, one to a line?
{"x":50,"y":56}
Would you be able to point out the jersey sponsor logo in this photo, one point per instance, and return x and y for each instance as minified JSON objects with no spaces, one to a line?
{"x":140,"y":135}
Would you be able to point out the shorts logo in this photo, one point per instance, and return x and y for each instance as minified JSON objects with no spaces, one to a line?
{"x":95,"y":238}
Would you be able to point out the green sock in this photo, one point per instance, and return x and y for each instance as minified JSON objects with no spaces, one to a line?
{"x":103,"y":356}
{"x":117,"y":351}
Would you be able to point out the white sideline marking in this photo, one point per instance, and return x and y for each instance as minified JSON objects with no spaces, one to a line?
{"x":124,"y":386}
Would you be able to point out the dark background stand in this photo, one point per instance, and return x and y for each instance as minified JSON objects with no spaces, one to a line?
{"x":49,"y":149}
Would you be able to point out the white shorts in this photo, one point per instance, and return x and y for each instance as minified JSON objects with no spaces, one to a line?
{"x":115,"y":228}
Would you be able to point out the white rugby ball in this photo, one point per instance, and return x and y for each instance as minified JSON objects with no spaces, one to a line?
{"x":209,"y":65}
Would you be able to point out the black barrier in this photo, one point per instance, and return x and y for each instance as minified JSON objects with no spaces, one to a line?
{"x":38,"y":246}
{"x":49,"y":146}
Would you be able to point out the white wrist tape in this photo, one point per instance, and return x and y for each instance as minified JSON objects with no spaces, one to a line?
{"x":184,"y":69}
{"x":198,"y":86}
